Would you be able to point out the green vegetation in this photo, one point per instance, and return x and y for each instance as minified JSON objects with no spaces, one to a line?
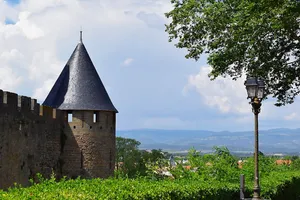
{"x":143,"y":188}
{"x":259,"y":38}
{"x":131,"y":162}
{"x":210,"y":176}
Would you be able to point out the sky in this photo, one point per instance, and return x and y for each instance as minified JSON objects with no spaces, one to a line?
{"x":150,"y":82}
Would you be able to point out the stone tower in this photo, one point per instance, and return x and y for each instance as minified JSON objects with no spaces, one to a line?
{"x":88,"y":146}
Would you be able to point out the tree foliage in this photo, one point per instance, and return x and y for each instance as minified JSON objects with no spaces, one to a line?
{"x":217,"y":180}
{"x":259,"y":38}
{"x":128,"y":157}
{"x":130,"y":161}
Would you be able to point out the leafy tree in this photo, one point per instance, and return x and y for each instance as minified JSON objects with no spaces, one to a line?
{"x":194,"y":158}
{"x":128,"y":157}
{"x":125,"y":147}
{"x":296,"y":163}
{"x":131,"y":162}
{"x":259,"y":38}
{"x":224,"y":166}
{"x":294,"y":158}
{"x":154,"y":156}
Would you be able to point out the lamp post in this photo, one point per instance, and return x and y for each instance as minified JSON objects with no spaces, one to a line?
{"x":255,"y":89}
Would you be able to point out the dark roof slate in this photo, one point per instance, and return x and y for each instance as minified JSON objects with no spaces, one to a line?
{"x":79,"y":86}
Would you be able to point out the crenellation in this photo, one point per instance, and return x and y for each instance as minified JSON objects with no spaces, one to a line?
{"x":4,"y":97}
{"x":46,"y":111}
{"x":32,"y":142}
{"x":1,"y":97}
{"x":35,"y":107}
{"x":58,"y":114}
{"x":54,"y":113}
{"x":24,"y":103}
{"x":19,"y":101}
{"x":41,"y":112}
{"x":10,"y":99}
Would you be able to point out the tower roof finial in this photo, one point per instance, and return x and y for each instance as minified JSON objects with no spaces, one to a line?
{"x":80,"y":34}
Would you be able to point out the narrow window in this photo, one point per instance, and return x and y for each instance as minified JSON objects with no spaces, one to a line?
{"x":70,"y":117}
{"x":95,"y":117}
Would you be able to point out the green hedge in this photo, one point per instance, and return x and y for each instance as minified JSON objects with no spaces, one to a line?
{"x":282,"y":186}
{"x":124,"y":189}
{"x":285,"y":186}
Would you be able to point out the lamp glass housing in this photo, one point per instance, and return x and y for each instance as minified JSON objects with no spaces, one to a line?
{"x":251,"y":90}
{"x":261,"y":89}
{"x":251,"y":87}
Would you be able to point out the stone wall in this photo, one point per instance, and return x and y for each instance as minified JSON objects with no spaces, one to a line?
{"x":39,"y":139}
{"x":30,"y":139}
{"x":89,"y":148}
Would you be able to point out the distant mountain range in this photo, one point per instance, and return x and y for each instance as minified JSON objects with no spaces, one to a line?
{"x":270,"y":141}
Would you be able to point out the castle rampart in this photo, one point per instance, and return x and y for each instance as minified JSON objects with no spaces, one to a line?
{"x":30,"y":139}
{"x":39,"y":139}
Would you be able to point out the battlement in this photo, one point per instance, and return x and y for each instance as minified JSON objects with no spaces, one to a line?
{"x":30,"y":139}
{"x":40,"y":139}
{"x":12,"y":102}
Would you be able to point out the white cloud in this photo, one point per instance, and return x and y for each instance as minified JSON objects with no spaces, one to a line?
{"x":292,"y":116}
{"x":42,"y":60}
{"x":8,"y":79}
{"x":223,"y":93}
{"x":230,"y":97}
{"x":29,"y":29}
{"x":152,"y":20}
{"x":12,"y":55}
{"x":127,"y":61}
{"x":10,"y":61}
{"x":31,"y":49}
{"x":41,"y":92}
{"x":34,"y":50}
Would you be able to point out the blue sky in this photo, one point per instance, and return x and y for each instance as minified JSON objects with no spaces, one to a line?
{"x":13,"y":2}
{"x":148,"y":79}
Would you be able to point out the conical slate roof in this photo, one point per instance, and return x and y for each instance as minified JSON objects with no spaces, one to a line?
{"x":79,"y":86}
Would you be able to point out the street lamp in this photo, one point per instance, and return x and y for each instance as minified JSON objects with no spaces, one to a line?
{"x":255,"y":88}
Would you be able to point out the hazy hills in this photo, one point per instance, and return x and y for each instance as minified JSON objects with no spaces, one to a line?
{"x":271,"y":141}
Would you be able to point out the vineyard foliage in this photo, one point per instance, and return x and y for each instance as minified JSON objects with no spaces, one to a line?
{"x":211,"y":176}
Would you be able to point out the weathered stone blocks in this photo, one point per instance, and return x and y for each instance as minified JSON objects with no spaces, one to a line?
{"x":39,"y":139}
{"x":29,"y":143}
{"x":90,"y":144}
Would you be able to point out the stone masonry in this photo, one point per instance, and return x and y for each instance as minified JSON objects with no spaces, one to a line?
{"x":39,"y":139}
{"x":89,"y":149}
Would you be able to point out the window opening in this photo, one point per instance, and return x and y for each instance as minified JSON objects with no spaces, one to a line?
{"x":95,"y":117}
{"x":70,"y":117}
{"x":114,"y":118}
